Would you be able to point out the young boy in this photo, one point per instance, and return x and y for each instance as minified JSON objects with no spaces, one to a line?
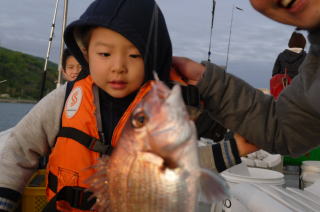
{"x":70,"y":66}
{"x":119,"y":43}
{"x":290,"y":125}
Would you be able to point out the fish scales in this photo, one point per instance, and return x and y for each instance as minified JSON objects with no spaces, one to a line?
{"x":160,"y":191}
{"x":146,"y":186}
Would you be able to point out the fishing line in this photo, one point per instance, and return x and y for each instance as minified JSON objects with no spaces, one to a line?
{"x":155,"y":41}
{"x":152,"y":29}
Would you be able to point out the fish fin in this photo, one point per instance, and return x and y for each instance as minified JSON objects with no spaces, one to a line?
{"x":213,"y":187}
{"x":99,"y":185}
{"x":155,"y":75}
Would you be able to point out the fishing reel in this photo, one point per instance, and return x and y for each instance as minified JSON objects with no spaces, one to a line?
{"x":207,"y":127}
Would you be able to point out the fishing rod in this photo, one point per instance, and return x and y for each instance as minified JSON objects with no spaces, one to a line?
{"x":64,"y":23}
{"x":230,"y":32}
{"x":211,"y":30}
{"x":43,"y":160}
{"x":43,"y":84}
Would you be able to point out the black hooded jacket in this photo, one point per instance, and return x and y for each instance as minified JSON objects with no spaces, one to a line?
{"x":140,"y":23}
{"x":134,"y":20}
{"x":290,"y":60}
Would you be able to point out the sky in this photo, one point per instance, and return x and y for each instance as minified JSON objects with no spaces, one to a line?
{"x":255,"y":40}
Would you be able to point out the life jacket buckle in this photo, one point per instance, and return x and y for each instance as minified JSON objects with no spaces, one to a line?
{"x":78,"y":197}
{"x":97,"y":146}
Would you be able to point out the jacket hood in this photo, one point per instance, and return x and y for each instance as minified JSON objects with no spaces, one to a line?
{"x":134,"y":20}
{"x":291,"y":57}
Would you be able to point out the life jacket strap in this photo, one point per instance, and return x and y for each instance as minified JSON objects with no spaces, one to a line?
{"x":76,"y":197}
{"x":86,"y":140}
{"x":52,"y":182}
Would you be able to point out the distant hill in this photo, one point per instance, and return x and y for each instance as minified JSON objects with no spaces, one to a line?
{"x":23,"y":74}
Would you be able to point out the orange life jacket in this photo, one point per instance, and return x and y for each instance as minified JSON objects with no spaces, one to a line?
{"x":78,"y":144}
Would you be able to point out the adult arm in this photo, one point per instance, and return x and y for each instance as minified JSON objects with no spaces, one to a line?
{"x":21,"y":149}
{"x":289,"y":126}
{"x":219,"y":156}
{"x":226,"y":153}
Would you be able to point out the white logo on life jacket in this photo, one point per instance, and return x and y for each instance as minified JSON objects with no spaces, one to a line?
{"x":73,"y":102}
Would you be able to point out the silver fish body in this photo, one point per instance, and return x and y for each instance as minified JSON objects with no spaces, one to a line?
{"x":155,"y":165}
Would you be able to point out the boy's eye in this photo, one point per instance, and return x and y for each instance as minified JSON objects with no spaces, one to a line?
{"x":135,"y":55}
{"x":104,"y":54}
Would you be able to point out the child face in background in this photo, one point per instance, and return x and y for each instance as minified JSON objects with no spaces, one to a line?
{"x":72,"y":69}
{"x":302,"y":13}
{"x":116,"y":65}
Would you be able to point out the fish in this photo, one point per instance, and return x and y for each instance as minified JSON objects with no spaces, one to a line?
{"x":155,"y":165}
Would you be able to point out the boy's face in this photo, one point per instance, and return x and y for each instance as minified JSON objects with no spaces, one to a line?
{"x":302,"y":13}
{"x":116,"y":65}
{"x":73,"y":69}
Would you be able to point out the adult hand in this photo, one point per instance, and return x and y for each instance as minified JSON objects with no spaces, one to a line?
{"x":188,"y":69}
{"x":244,"y":147}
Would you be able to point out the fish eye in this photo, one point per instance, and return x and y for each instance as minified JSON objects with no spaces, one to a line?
{"x":139,"y":119}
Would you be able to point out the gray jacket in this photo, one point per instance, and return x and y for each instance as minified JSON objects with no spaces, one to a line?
{"x":289,"y":126}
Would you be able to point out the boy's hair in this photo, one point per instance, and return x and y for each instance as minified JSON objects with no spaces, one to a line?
{"x":65,"y":55}
{"x":297,"y":40}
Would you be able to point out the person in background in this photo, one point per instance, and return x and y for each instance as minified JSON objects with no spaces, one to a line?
{"x":291,"y":59}
{"x":290,"y":125}
{"x":70,"y":66}
{"x":287,"y":64}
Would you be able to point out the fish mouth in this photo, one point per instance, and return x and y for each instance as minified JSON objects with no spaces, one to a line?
{"x":166,"y":162}
{"x":169,"y":163}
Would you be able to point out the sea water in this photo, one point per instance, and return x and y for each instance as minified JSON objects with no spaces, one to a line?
{"x":11,"y":114}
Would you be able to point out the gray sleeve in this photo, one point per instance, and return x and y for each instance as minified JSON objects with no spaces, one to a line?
{"x":31,"y":138}
{"x":219,"y":156}
{"x":289,"y":126}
